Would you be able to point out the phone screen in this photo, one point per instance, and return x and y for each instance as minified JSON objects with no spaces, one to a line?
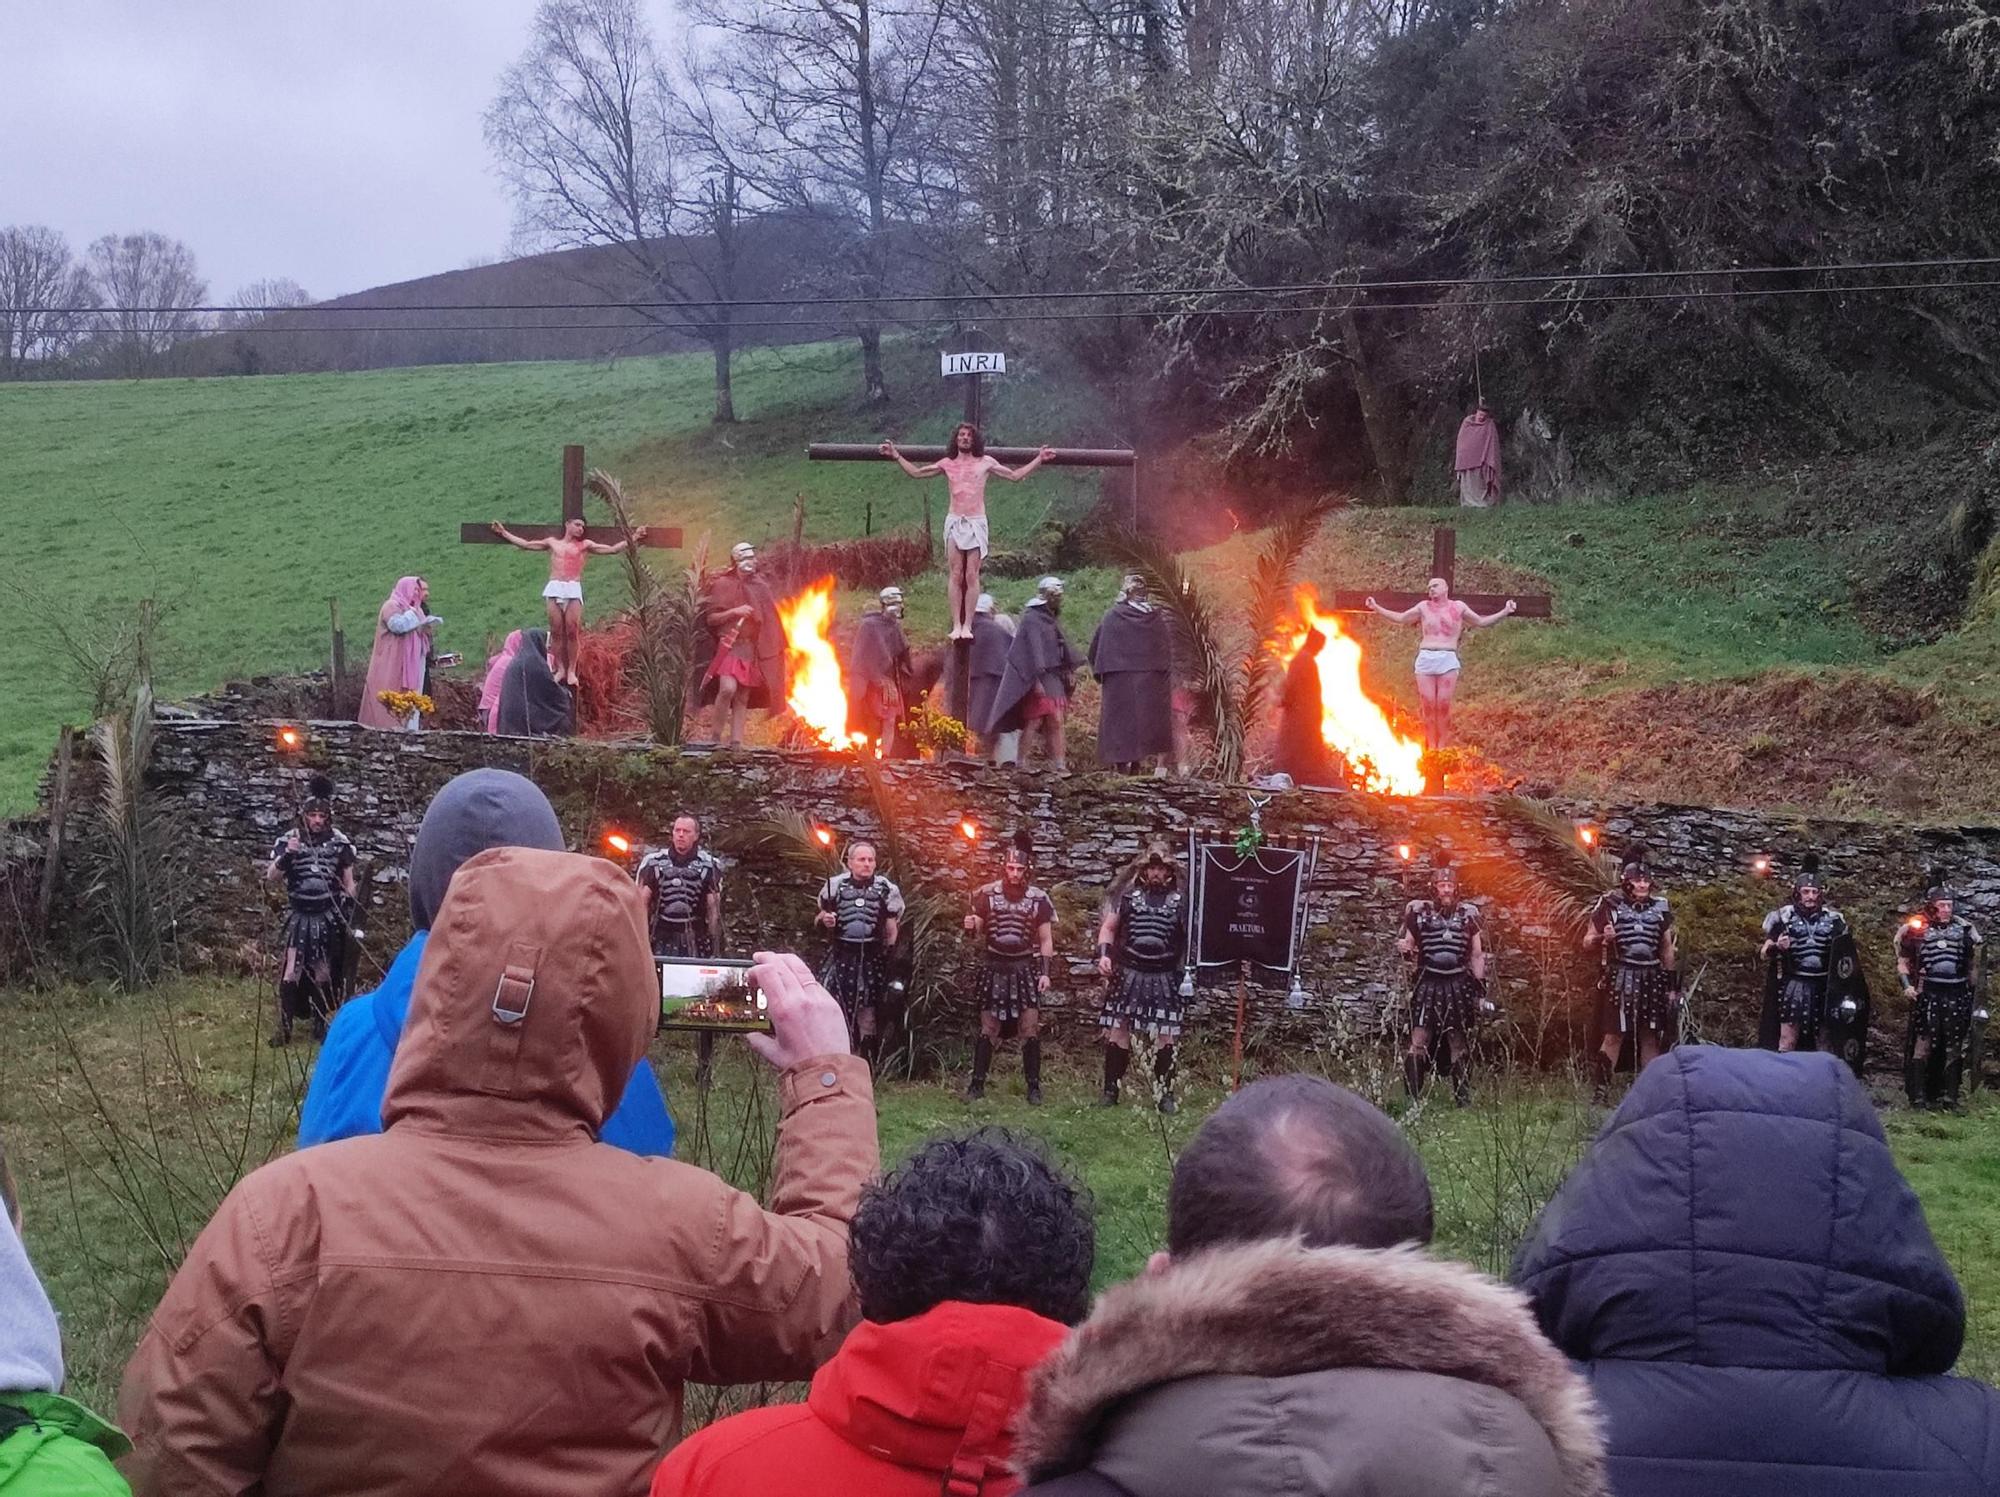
{"x":710,"y":993}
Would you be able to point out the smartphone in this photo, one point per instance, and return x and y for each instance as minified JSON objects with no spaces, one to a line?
{"x":712,"y":993}
{"x":447,"y":660}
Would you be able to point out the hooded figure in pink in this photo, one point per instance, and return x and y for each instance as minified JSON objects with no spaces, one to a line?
{"x":496,"y":673}
{"x":402,"y":646}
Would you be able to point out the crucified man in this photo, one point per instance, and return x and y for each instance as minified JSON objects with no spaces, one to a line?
{"x":1441,"y":617}
{"x":565,"y":590}
{"x":965,"y":532}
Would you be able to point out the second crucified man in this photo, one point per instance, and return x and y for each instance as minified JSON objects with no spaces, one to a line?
{"x":565,"y":590}
{"x":1442,"y":618}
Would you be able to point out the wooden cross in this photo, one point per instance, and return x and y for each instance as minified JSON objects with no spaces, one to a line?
{"x":1444,"y":559}
{"x":958,"y":669}
{"x":660,"y":537}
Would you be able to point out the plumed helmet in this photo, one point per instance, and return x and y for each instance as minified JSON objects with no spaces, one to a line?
{"x":1049,"y":587}
{"x":319,"y":795}
{"x":1634,"y":866}
{"x":1808,"y":875}
{"x":1022,"y":845}
{"x":1939,"y":887}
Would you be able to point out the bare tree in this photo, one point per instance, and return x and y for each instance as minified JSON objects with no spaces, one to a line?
{"x":832,"y":93}
{"x":150,"y":280}
{"x":588,"y":134}
{"x":40,"y":285}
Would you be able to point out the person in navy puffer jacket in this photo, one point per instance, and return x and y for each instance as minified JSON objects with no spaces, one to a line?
{"x":1753,"y":1292}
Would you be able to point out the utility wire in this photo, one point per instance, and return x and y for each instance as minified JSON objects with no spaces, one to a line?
{"x":960,"y":298}
{"x":679,"y":325}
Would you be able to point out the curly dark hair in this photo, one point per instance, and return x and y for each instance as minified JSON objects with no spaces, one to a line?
{"x":983,"y":1217}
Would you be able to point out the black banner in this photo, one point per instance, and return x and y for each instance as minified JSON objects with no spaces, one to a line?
{"x":1249,"y":905}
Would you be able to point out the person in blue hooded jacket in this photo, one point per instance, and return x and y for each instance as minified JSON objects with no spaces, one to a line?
{"x":481,"y":809}
{"x":1754,"y":1294}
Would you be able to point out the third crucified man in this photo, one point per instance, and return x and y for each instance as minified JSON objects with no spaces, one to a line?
{"x":1441,"y":618}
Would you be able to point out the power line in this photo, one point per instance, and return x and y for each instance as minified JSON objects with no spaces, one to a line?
{"x":1152,"y":313}
{"x":1108,"y":294}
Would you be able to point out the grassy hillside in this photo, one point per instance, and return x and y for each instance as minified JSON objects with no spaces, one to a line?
{"x":244,"y":504}
{"x":1708,"y":644}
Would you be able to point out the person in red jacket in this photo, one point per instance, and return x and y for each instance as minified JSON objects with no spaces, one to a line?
{"x":973,"y":1260}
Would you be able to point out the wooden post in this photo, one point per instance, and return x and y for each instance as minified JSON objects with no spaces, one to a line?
{"x":799,"y":519}
{"x":339,"y":657}
{"x":58,"y":814}
{"x":868,"y":517}
{"x":1242,"y":1002}
{"x":572,"y":483}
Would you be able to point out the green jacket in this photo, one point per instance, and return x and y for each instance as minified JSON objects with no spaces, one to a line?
{"x":64,"y":1451}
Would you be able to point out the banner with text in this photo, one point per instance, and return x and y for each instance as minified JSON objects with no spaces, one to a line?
{"x":1249,"y":905}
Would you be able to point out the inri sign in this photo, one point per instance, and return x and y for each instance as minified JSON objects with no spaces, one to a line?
{"x":974,"y":363}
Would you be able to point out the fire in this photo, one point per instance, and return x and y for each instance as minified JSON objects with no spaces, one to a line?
{"x":816,"y":695}
{"x":1379,"y":757}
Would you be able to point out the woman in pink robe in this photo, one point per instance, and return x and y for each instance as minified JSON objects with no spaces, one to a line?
{"x":402,"y":646}
{"x":496,"y":672}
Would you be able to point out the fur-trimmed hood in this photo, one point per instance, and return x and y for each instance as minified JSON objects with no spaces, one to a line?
{"x":1361,"y":1355}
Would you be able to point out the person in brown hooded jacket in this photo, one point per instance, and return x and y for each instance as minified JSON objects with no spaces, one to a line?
{"x":484,"y":1298}
{"x":1295,"y":1338}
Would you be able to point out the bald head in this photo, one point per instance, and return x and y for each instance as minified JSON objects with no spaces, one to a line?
{"x":1437,"y":589}
{"x":1297,"y":1156}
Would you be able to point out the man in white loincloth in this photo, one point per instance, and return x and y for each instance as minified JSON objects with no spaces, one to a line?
{"x":1441,"y":617}
{"x":966,"y":540}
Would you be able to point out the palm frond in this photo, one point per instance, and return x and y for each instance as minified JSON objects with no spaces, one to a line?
{"x":1200,"y":636}
{"x":666,"y":613}
{"x":1565,"y":881}
{"x":1271,"y":582}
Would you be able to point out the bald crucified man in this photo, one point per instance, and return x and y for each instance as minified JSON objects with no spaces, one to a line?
{"x":1441,"y":617}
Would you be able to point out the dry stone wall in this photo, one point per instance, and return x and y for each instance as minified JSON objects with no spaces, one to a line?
{"x":233,"y":792}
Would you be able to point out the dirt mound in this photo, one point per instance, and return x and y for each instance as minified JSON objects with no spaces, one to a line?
{"x":1836,"y":741}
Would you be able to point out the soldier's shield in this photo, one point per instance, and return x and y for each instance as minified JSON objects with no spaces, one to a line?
{"x":1846,"y":1030}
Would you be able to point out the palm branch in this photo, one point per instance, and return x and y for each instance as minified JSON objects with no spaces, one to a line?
{"x":667,"y":618}
{"x":1561,"y":887}
{"x":1199,"y":634}
{"x":1271,"y":581}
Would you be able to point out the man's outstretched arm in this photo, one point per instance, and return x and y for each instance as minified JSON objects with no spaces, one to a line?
{"x":1487,"y":620}
{"x":514,"y":540}
{"x":1394,"y":616}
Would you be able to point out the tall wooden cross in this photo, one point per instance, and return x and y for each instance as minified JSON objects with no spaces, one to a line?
{"x":660,"y":537}
{"x":958,"y":669}
{"x":1444,"y":562}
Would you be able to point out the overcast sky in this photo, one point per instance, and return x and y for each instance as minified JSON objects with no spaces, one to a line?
{"x":333,"y":141}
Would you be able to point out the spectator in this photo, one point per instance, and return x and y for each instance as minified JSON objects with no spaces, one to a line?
{"x":49,"y":1446}
{"x":971,"y":1259}
{"x":480,"y":809}
{"x":1755,"y":1296}
{"x":1295,"y":1338}
{"x":484,"y":1298}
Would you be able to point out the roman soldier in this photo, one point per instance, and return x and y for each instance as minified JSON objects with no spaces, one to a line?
{"x":683,"y":887}
{"x":748,"y":667}
{"x":992,"y":637}
{"x":1132,"y":656}
{"x":1801,"y":940}
{"x":862,"y":909}
{"x":1017,"y":921}
{"x":1036,"y":681}
{"x":879,"y":673}
{"x":317,"y":862}
{"x":1938,"y":959}
{"x":1642,"y":992}
{"x":1442,"y":934}
{"x":1140,"y":943}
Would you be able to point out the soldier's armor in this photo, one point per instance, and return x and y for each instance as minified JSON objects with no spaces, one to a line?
{"x":1944,"y":953}
{"x":680,"y":887}
{"x":312,"y":871}
{"x":860,"y":910}
{"x":1011,"y":925}
{"x":1813,"y":935}
{"x":1149,"y":928}
{"x":1444,"y":937}
{"x":1639,"y":931}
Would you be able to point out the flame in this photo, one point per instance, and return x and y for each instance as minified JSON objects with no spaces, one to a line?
{"x":816,"y":695}
{"x":288,"y":738}
{"x":1378,"y":757}
{"x":1587,"y":836}
{"x":968,"y":829}
{"x":823,"y":836}
{"x":618,"y":842}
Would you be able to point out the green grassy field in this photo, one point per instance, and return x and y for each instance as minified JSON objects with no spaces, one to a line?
{"x":128,"y":1118}
{"x":244,"y":504}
